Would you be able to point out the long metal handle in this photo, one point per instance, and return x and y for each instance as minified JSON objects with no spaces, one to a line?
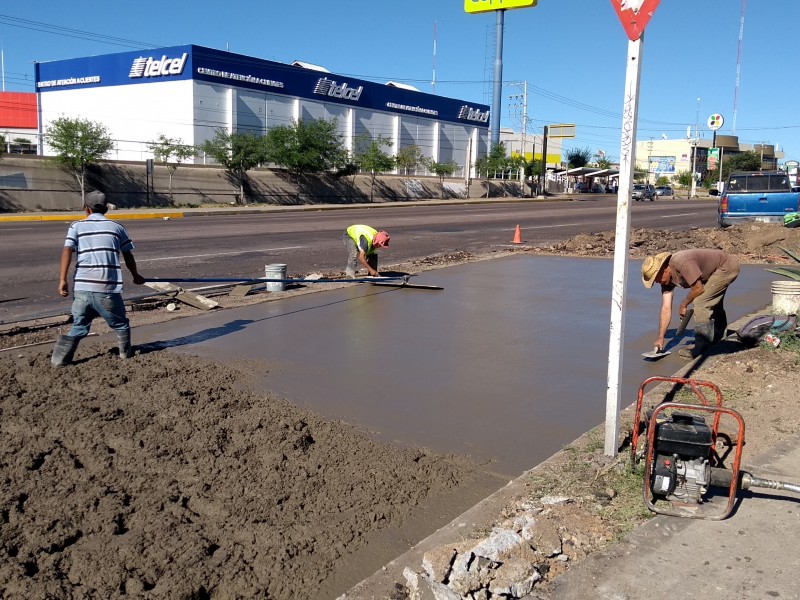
{"x":246,"y":280}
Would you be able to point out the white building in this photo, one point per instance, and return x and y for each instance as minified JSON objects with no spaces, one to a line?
{"x":187,"y":92}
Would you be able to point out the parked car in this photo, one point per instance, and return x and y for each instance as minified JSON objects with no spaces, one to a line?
{"x":643,"y":191}
{"x":764,"y":196}
{"x":663,"y":190}
{"x":581,"y":188}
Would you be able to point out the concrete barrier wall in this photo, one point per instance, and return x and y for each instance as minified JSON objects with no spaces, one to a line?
{"x":37,"y":184}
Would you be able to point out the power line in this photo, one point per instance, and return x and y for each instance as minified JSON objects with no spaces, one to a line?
{"x":74,"y":33}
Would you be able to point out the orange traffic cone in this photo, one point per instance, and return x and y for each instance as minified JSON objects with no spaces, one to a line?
{"x":517,"y":239}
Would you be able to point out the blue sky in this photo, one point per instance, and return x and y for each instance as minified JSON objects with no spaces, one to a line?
{"x":571,"y":52}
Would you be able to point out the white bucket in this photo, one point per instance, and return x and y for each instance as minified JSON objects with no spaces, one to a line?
{"x":786,"y":297}
{"x":277,"y":271}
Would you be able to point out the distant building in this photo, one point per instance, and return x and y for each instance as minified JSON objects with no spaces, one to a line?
{"x":188,"y":92}
{"x":534,"y":145}
{"x":668,"y":158}
{"x":19,"y":121}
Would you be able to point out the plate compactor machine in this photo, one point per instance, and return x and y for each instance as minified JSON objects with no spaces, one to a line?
{"x":684,"y":472}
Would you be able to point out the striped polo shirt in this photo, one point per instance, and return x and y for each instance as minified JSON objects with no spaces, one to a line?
{"x":97,"y":243}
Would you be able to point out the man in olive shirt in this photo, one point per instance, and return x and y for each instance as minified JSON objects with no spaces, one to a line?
{"x":706,"y":273}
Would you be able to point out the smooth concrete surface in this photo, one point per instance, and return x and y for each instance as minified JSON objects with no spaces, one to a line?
{"x":507,"y":364}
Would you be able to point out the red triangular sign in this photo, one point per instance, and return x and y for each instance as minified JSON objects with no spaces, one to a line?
{"x":634,"y":15}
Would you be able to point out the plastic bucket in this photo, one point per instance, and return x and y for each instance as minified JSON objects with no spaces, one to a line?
{"x":277,"y":271}
{"x":786,"y":297}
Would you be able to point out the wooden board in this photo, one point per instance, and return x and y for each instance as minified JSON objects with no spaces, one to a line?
{"x":189,"y":298}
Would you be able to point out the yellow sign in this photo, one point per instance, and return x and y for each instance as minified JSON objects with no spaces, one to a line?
{"x":479,"y":6}
{"x":561,"y":130}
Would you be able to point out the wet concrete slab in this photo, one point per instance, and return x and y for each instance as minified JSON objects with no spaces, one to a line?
{"x":507,"y":364}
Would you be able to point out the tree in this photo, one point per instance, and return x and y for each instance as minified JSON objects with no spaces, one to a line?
{"x":603,"y":163}
{"x":78,"y":143}
{"x":494,"y":162}
{"x":409,"y":158}
{"x":684,"y":178}
{"x":369,"y":156}
{"x":743,"y":161}
{"x":171,"y":153}
{"x":238,"y":153}
{"x":305,"y":147}
{"x":579,"y":157}
{"x":442,"y":169}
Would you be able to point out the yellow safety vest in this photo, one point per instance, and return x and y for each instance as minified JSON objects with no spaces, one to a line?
{"x":356,"y":231}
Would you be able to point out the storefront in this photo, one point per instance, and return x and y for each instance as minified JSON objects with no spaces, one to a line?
{"x":188,"y":92}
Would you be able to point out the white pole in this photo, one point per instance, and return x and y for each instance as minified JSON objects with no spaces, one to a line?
{"x":693,"y":193}
{"x":627,"y":160}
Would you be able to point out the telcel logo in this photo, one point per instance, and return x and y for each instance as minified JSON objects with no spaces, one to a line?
{"x":148,"y":67}
{"x":473,"y":114}
{"x":328,"y":87}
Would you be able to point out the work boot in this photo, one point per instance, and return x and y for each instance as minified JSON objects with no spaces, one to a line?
{"x":124,"y":344}
{"x":703,"y":340}
{"x":64,"y":350}
{"x":720,"y":328}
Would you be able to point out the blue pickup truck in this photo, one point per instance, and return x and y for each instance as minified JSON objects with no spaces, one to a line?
{"x":764,"y":196}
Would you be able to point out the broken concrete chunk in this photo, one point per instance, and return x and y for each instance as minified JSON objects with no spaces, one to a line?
{"x":514,"y":579}
{"x":438,"y":562}
{"x":499,"y":545}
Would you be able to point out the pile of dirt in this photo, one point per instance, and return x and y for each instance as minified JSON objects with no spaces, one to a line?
{"x":751,"y":242}
{"x":165,"y":474}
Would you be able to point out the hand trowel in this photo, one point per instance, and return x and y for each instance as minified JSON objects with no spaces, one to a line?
{"x":656,"y":353}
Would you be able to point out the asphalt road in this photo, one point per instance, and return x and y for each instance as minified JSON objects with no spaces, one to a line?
{"x":241,"y":245}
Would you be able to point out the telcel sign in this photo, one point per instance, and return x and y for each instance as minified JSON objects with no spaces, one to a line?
{"x":479,"y":6}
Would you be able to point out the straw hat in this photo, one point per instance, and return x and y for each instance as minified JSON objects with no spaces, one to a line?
{"x":651,"y":267}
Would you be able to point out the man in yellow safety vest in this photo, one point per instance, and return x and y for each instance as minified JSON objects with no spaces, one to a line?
{"x":361,"y":242}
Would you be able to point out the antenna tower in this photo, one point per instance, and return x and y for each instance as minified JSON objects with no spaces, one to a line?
{"x":433,"y":80}
{"x":488,"y":64}
{"x":738,"y":68}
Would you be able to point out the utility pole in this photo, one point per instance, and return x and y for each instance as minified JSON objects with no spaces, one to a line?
{"x":649,"y":158}
{"x":696,"y":140}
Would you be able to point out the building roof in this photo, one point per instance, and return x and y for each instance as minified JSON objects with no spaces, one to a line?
{"x":402,"y":86}
{"x":309,"y":66}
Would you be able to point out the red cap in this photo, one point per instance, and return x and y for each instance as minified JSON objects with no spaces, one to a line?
{"x":381,"y":239}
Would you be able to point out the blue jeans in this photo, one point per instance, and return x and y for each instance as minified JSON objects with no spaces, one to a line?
{"x":88,"y":305}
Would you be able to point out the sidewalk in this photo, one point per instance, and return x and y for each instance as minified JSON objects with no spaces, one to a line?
{"x":204,"y":211}
{"x":751,"y":554}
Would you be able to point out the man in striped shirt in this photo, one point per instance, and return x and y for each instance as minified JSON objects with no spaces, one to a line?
{"x":97,"y":243}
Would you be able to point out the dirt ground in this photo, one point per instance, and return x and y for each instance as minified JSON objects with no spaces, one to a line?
{"x":167,"y":476}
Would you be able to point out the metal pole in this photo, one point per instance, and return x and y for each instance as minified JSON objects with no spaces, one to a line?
{"x":543,"y":183}
{"x":497,"y":90}
{"x":627,"y":160}
{"x":693,"y":193}
{"x":524,"y":127}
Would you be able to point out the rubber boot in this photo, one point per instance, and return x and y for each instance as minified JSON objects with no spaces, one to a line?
{"x":720,"y":327}
{"x":124,"y":344}
{"x":703,"y":340}
{"x":64,"y":350}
